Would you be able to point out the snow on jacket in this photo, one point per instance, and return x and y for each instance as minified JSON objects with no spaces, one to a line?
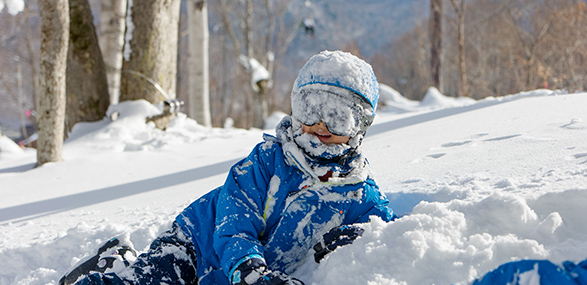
{"x":273,"y":206}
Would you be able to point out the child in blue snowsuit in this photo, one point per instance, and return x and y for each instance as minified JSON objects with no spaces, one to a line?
{"x":303,"y":190}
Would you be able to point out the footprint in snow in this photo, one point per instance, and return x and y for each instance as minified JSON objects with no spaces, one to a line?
{"x":453,"y":144}
{"x":581,"y":155}
{"x":436,"y":155}
{"x":502,"y":138}
{"x":575,"y":124}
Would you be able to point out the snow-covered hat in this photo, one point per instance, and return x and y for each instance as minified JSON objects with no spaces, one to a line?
{"x":342,"y":74}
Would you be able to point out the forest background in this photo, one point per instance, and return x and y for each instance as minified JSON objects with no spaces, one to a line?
{"x":493,"y":47}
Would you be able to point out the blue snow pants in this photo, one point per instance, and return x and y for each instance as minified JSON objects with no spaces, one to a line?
{"x":170,"y":259}
{"x":541,"y":272}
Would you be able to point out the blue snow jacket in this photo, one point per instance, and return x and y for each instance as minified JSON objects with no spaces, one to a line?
{"x":542,"y":272}
{"x":272,"y":207}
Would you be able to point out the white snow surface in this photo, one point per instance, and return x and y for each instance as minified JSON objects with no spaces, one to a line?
{"x":13,"y":7}
{"x":8,"y":146}
{"x":477,"y":185}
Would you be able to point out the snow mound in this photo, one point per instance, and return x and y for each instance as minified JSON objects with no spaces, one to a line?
{"x":8,"y":146}
{"x":130,"y":132}
{"x":435,"y":100}
{"x":476,"y":186}
{"x":394,"y":102}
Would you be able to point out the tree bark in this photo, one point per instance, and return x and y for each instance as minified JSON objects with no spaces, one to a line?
{"x":53,"y":58}
{"x":435,"y":42}
{"x":111,"y":40}
{"x":460,"y":10}
{"x":87,"y":85}
{"x":199,"y":98}
{"x":150,"y":70}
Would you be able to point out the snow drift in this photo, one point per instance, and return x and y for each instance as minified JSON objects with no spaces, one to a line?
{"x":476,"y":185}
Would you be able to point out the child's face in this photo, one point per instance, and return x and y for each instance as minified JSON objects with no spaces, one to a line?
{"x":320,"y":131}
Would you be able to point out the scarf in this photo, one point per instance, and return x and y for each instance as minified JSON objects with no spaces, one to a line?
{"x":332,"y":163}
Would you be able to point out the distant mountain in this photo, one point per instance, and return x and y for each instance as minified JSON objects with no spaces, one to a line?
{"x":372,"y":24}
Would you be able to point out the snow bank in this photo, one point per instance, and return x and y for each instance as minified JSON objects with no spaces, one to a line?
{"x":435,"y":100}
{"x":394,"y":102}
{"x":8,"y":146}
{"x":479,"y":185}
{"x":13,"y":7}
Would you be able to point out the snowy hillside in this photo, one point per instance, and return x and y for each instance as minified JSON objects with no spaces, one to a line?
{"x":477,"y":184}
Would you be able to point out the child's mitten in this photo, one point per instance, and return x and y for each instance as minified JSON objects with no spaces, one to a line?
{"x":255,"y":272}
{"x":337,"y":237}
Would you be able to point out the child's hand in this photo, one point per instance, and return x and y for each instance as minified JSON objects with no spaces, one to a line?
{"x":337,"y":237}
{"x":255,"y":272}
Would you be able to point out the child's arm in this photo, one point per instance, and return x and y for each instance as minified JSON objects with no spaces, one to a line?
{"x":239,"y":217}
{"x":374,"y":204}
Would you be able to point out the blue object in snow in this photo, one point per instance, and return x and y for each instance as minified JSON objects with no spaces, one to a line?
{"x":541,"y":272}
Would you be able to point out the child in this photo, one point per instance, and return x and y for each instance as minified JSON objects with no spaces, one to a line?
{"x":302,"y":190}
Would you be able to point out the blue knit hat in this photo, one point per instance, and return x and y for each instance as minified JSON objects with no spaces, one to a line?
{"x":340,"y":69}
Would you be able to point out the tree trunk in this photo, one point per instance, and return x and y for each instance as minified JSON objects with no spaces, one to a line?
{"x":260,"y":105}
{"x":199,"y":97}
{"x":87,"y":86}
{"x":460,"y":10}
{"x":111,"y":40}
{"x":53,"y":58}
{"x":435,"y":42}
{"x":150,"y":70}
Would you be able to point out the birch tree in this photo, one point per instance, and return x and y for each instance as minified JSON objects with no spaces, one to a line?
{"x":435,"y":42}
{"x":112,"y":25}
{"x":53,"y":58}
{"x":150,"y":53}
{"x":199,"y":88}
{"x":459,"y":8}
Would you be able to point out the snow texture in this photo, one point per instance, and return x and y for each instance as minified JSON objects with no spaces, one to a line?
{"x":8,"y":146}
{"x":341,"y":110}
{"x":256,"y":69}
{"x":477,"y":185}
{"x":342,"y":70}
{"x":13,"y":7}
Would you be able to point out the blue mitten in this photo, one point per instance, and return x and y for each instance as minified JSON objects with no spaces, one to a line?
{"x":255,"y":272}
{"x":337,"y":237}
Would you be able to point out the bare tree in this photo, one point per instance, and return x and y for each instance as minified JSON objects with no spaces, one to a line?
{"x":112,"y":25}
{"x":19,"y":60}
{"x":54,"y":45}
{"x":87,"y":86}
{"x":566,"y":69}
{"x":460,"y":11}
{"x":257,"y":37}
{"x":150,"y":57}
{"x":435,"y":42}
{"x":529,"y":38}
{"x":199,"y":86}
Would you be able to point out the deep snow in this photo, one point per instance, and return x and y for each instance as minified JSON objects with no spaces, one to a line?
{"x":477,"y":183}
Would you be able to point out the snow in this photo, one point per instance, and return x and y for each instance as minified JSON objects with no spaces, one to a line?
{"x":433,"y":100}
{"x":257,"y":70}
{"x":8,"y":146}
{"x":477,"y":184}
{"x":341,"y":110}
{"x":339,"y":69}
{"x":13,"y":7}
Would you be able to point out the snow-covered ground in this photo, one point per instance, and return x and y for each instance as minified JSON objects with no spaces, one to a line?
{"x":478,"y":183}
